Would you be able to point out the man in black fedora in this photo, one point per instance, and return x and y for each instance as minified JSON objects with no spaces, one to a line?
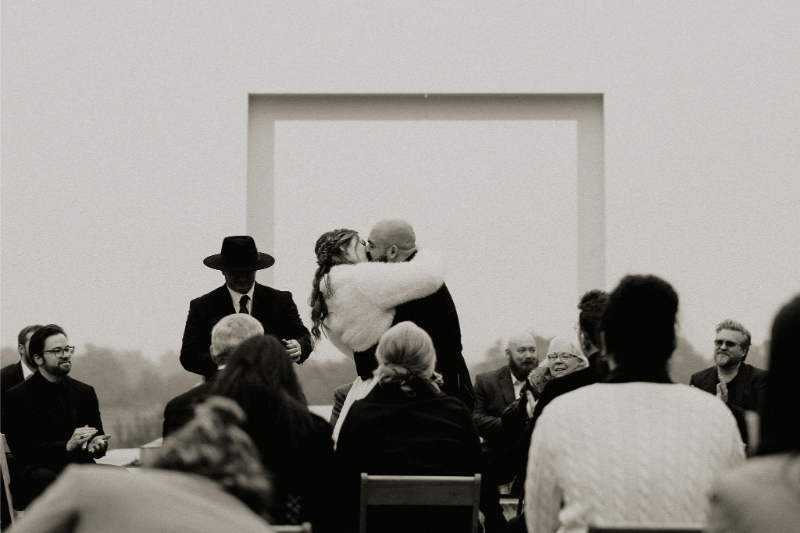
{"x":239,"y":260}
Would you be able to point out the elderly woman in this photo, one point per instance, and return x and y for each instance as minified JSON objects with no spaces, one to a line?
{"x":563,"y":358}
{"x":406,"y":426}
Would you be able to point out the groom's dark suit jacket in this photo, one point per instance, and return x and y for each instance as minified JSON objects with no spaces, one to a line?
{"x":437,"y":315}
{"x":273,"y":308}
{"x":40,"y":419}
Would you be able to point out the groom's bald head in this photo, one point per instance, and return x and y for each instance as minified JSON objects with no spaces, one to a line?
{"x":391,"y":240}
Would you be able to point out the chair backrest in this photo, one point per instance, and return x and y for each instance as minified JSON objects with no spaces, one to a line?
{"x":420,"y":490}
{"x":7,"y":478}
{"x":305,"y":527}
{"x":646,"y":529}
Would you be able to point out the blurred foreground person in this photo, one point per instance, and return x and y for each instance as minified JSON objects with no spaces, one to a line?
{"x":227,"y":334}
{"x":50,"y":419}
{"x":635,"y":450}
{"x":406,"y":426}
{"x":205,"y":478}
{"x":294,"y":444}
{"x":764,"y":494}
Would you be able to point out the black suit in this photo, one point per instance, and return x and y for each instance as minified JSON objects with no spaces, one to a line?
{"x":10,"y":376}
{"x":180,"y":410}
{"x":494,"y":391}
{"x":437,"y":315}
{"x":40,"y":417}
{"x":273,"y":308}
{"x":746,"y":391}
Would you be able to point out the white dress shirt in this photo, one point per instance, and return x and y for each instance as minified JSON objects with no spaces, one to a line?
{"x":237,"y":297}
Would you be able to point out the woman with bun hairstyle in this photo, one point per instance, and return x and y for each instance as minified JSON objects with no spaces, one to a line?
{"x":406,"y":426}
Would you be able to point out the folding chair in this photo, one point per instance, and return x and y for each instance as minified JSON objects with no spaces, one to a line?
{"x":305,"y":527}
{"x":646,"y":529}
{"x":420,"y":490}
{"x":6,"y":479}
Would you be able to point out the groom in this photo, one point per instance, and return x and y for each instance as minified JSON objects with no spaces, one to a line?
{"x":394,"y":241}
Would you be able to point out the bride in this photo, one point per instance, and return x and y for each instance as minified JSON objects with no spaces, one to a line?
{"x":353,"y":300}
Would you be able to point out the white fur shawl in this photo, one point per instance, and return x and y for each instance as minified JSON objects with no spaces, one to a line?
{"x":364,"y":296}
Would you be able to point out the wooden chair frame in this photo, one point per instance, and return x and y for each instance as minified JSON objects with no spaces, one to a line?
{"x":7,"y":479}
{"x":420,"y":490}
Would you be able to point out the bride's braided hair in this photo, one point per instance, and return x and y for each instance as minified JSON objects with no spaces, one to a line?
{"x":330,"y":250}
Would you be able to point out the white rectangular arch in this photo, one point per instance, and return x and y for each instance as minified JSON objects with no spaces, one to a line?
{"x":585,"y":109}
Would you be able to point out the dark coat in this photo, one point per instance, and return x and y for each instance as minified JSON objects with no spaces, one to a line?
{"x":10,"y":376}
{"x":437,"y":315}
{"x":38,"y":427}
{"x":273,"y":308}
{"x":494,"y":391}
{"x":390,"y":432}
{"x":746,"y":392}
{"x":518,"y":429}
{"x":180,"y":410}
{"x":750,"y":390}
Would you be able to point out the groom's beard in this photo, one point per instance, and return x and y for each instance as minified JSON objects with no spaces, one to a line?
{"x":384,"y":259}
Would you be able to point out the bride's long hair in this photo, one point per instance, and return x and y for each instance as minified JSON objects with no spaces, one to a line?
{"x":330,"y":250}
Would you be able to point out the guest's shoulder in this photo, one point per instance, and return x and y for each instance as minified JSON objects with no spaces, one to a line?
{"x":493,"y":375}
{"x":217,"y":293}
{"x":704,"y":374}
{"x":757,"y":373}
{"x":10,"y":369}
{"x":79,"y":385}
{"x":270,"y":291}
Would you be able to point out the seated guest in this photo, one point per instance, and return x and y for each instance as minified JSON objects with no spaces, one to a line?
{"x":738,"y":384}
{"x":13,"y":375}
{"x":225,"y":337}
{"x":517,"y":424}
{"x":295,"y":445}
{"x":563,"y":358}
{"x":494,"y":391}
{"x":764,"y":494}
{"x":51,"y":420}
{"x":637,"y":449}
{"x":406,"y":426}
{"x":205,"y":478}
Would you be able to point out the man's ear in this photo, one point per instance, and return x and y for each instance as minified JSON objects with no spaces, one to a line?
{"x":20,"y":349}
{"x":38,"y":359}
{"x":508,"y":353}
{"x":392,"y":252}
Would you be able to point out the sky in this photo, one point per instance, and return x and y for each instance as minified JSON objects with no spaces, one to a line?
{"x":123,"y":161}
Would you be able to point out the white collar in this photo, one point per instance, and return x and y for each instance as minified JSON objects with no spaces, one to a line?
{"x":236,"y":297}
{"x":26,"y":372}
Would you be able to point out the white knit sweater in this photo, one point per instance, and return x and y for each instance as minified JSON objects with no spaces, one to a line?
{"x":628,"y":454}
{"x":361,"y":307}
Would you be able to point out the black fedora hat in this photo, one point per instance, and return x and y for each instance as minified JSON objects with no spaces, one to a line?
{"x":239,"y":254}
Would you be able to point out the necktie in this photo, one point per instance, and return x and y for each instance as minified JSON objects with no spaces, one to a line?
{"x":243,"y":304}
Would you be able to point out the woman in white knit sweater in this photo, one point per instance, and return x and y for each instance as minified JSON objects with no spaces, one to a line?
{"x":353,"y":300}
{"x":636,"y":450}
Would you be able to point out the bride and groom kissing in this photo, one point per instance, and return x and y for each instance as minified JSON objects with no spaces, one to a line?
{"x":361,"y":289}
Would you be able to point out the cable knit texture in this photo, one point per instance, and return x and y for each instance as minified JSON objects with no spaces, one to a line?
{"x":365,"y":294}
{"x":628,"y":454}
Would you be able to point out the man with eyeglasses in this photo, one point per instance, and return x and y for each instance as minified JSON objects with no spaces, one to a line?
{"x":51,"y":420}
{"x":740,"y":385}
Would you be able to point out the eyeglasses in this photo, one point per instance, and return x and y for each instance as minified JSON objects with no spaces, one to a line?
{"x":563,"y":356}
{"x":728,"y":344}
{"x":69,"y":350}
